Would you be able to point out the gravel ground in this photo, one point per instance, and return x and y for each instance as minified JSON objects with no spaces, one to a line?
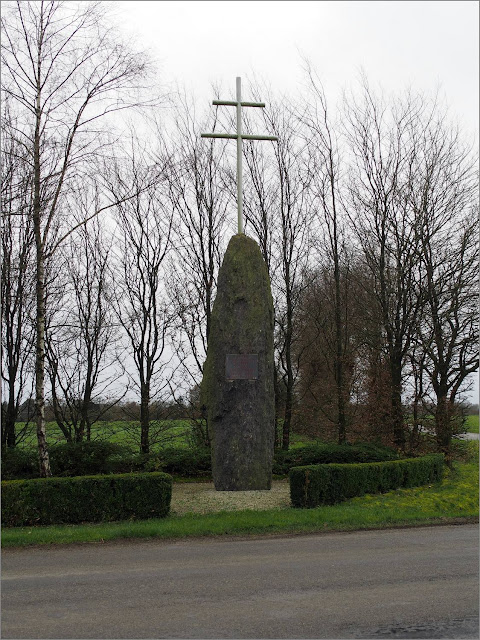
{"x":201,"y":497}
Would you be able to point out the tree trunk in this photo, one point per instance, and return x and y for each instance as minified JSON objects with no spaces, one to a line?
{"x":443,"y":429}
{"x":44,"y":460}
{"x":287,"y":422}
{"x":145,"y":418}
{"x":8,"y":429}
{"x":59,"y":420}
{"x":40,"y":363}
{"x":413,"y":440}
{"x":339,"y":372}
{"x":276,"y":390}
{"x":85,"y":407}
{"x":396,"y":405}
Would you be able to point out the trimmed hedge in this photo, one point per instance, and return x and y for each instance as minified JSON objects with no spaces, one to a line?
{"x":314,"y":485}
{"x":43,"y":501}
{"x":316,"y":453}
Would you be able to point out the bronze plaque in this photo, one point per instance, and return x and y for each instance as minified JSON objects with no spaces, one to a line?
{"x":241,"y":366}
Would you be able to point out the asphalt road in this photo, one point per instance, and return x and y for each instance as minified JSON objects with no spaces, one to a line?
{"x":402,"y":583}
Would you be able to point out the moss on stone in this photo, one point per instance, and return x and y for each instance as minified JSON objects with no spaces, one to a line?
{"x":241,"y":412}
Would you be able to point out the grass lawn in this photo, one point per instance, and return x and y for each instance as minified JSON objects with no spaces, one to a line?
{"x":455,"y":497}
{"x":472,"y":424}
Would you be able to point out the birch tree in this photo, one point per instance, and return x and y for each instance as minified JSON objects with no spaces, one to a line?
{"x":64,"y":74}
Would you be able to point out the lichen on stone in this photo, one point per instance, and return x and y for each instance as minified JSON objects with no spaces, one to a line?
{"x":241,"y":412}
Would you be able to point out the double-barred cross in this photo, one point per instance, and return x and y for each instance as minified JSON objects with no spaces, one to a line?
{"x":239,"y":137}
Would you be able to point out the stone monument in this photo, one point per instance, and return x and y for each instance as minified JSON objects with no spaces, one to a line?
{"x":237,"y":385}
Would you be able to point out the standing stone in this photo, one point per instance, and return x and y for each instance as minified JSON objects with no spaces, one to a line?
{"x":237,"y":385}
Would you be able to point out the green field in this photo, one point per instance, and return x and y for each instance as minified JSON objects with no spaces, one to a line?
{"x":163,"y":432}
{"x":472,"y":424}
{"x":127,"y":433}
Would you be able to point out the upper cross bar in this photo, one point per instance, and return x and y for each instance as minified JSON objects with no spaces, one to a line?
{"x":239,"y":137}
{"x":232,"y":103}
{"x":233,"y":136}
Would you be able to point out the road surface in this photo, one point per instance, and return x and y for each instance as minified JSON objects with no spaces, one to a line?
{"x":402,"y":583}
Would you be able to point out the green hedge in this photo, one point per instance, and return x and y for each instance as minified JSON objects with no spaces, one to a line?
{"x":19,"y":464}
{"x":314,"y":485}
{"x":99,"y":457}
{"x":66,"y":459}
{"x":175,"y":461}
{"x":93,"y":458}
{"x":85,"y":499}
{"x":318,"y":453}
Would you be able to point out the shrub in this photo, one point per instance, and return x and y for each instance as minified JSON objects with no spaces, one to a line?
{"x":179,"y":462}
{"x":66,"y":459}
{"x":186,"y":462}
{"x":329,"y":453}
{"x":93,"y":458}
{"x":19,"y":463}
{"x":46,"y":501}
{"x":313,"y":485}
{"x":100,"y":457}
{"x":83,"y":458}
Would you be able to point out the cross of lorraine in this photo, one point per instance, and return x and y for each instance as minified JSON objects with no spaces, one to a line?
{"x":239,"y":137}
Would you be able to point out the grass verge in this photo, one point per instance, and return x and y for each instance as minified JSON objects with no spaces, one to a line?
{"x":455,"y":497}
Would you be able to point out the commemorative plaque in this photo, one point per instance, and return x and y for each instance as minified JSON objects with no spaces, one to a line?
{"x":241,"y":366}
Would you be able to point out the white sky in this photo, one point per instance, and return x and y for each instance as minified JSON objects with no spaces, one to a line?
{"x":423,"y":44}
{"x":427,"y":45}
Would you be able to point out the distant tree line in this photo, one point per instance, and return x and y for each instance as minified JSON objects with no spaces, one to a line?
{"x":113,"y":231}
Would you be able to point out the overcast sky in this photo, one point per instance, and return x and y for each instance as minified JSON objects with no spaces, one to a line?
{"x":423,"y":44}
{"x":426,"y":45}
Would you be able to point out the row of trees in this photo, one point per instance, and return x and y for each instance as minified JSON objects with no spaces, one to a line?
{"x":112,"y":240}
{"x":401,"y":285}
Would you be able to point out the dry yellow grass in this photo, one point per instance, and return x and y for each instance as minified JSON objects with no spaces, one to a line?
{"x":201,"y":497}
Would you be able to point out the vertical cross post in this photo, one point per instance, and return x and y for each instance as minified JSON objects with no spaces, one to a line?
{"x":239,"y":137}
{"x":239,"y":157}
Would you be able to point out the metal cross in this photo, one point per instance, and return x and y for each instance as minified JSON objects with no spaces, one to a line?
{"x":239,"y":137}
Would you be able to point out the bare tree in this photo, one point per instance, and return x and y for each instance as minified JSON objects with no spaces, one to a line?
{"x":444,"y":195}
{"x":143,"y":230}
{"x":382,"y":147}
{"x":260,"y":207}
{"x":16,"y":280}
{"x":81,"y":338}
{"x":323,"y":142}
{"x":63,"y":73}
{"x":199,"y":201}
{"x":278,"y":206}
